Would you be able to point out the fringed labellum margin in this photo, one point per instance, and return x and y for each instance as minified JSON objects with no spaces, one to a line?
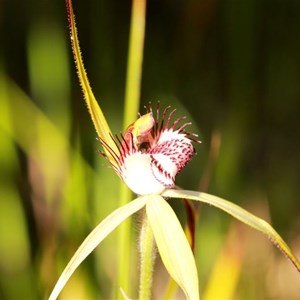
{"x":151,"y":153}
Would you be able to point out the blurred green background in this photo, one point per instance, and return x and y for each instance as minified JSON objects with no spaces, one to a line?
{"x":233,"y":67}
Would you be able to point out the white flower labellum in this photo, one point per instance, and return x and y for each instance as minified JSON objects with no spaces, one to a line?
{"x":137,"y":173}
{"x":151,"y":154}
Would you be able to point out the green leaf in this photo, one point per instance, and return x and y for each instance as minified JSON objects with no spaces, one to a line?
{"x":173,"y":246}
{"x":95,"y":238}
{"x":95,"y":111}
{"x":240,"y":214}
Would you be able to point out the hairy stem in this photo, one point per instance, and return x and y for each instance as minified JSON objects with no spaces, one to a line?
{"x":147,"y":255}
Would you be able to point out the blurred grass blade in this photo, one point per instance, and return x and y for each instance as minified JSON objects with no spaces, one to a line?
{"x":240,"y":214}
{"x":95,"y":238}
{"x":95,"y":111}
{"x":135,"y":60}
{"x":227,"y":267}
{"x":16,"y":265}
{"x":27,"y":113}
{"x":50,"y":87}
{"x":173,"y":246}
{"x":48,"y":67}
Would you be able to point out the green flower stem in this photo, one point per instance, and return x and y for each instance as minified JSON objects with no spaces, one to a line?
{"x":147,"y":255}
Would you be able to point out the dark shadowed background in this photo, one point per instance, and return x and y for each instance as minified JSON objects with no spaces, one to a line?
{"x":232,"y":67}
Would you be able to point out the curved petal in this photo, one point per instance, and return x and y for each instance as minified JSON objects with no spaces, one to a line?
{"x":172,"y":245}
{"x":240,"y":214}
{"x":95,"y":238}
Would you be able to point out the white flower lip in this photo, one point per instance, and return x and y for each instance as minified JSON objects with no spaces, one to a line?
{"x":137,"y":173}
{"x":152,"y":153}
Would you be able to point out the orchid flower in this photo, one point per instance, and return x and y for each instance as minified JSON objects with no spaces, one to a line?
{"x":151,"y":153}
{"x":147,"y":157}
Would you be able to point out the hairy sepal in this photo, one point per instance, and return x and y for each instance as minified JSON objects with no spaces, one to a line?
{"x":95,"y":238}
{"x":240,"y":214}
{"x":95,"y":111}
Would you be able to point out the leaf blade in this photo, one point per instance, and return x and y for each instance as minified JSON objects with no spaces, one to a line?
{"x":173,"y":246}
{"x":240,"y":214}
{"x":98,"y":234}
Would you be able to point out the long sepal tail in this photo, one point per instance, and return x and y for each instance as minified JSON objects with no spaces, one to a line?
{"x":240,"y":214}
{"x":95,"y":111}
